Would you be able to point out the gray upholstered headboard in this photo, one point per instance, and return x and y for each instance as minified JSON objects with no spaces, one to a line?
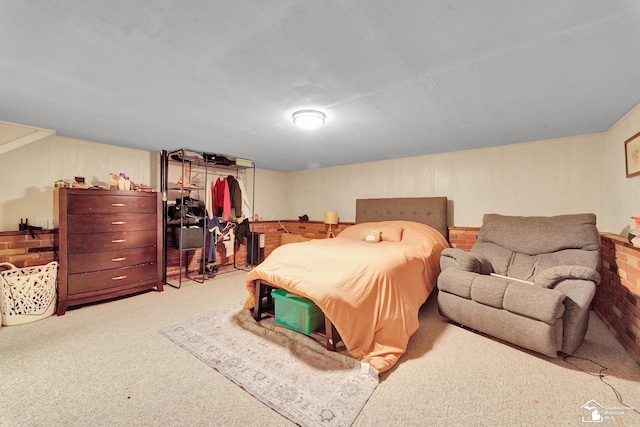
{"x":426,"y":210}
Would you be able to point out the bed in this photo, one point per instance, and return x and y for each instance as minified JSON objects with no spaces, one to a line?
{"x":370,"y":293}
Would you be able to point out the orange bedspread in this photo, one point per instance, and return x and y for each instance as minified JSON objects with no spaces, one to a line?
{"x":371,"y":292}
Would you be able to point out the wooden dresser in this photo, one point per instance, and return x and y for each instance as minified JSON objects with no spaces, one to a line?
{"x":109,"y":244}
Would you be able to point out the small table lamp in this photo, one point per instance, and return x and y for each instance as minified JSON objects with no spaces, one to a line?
{"x":330,"y":218}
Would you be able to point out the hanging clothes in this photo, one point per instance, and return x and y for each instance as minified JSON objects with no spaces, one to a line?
{"x":242,"y":231}
{"x":209,"y":201}
{"x":246,"y":206}
{"x":213,"y":240}
{"x":213,"y":225}
{"x":229,"y":244}
{"x":235,"y":196}
{"x":221,"y":199}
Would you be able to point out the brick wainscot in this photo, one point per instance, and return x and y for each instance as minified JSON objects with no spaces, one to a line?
{"x":617,"y":300}
{"x":22,"y":249}
{"x":272,"y":231}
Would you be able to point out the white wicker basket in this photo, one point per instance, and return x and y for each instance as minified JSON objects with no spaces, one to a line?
{"x":28,"y":294}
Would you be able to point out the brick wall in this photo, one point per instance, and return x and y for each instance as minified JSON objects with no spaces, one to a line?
{"x":463,"y":237}
{"x":617,"y":300}
{"x":272,"y":231}
{"x":22,"y":250}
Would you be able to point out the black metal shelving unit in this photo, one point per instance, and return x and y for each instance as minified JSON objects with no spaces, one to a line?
{"x":192,"y":163}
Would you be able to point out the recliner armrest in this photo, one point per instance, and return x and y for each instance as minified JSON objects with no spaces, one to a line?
{"x":537,"y":303}
{"x":550,"y":277}
{"x":579,"y":294}
{"x":466,"y":261}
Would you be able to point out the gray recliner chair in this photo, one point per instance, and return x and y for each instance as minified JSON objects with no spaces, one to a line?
{"x":528,"y":280}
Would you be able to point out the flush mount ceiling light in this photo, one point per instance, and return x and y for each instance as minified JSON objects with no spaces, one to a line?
{"x":308,"y":119}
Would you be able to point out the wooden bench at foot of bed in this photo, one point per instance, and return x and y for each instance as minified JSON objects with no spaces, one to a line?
{"x":264,"y":304}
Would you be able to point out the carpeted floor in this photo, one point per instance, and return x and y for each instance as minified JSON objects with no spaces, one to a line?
{"x":107,"y":365}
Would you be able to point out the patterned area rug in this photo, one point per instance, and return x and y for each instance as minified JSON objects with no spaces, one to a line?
{"x":288,"y":371}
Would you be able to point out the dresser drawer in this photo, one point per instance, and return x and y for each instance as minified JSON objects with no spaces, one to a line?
{"x":83,"y":243}
{"x":97,"y":223}
{"x":81,"y":263}
{"x":111,"y":204}
{"x":110,"y":279}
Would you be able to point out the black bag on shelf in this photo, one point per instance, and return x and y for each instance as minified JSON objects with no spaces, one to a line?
{"x":186,"y":208}
{"x":217,"y":159}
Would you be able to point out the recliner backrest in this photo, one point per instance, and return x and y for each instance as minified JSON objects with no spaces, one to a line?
{"x":533,"y":235}
{"x":520,"y":247}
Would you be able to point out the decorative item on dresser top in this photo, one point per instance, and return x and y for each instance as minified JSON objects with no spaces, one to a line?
{"x":108,"y":244}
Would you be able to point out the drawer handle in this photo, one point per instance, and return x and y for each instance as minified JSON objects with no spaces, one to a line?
{"x":118,"y":205}
{"x":118,"y":259}
{"x":118,"y":277}
{"x":118,"y":222}
{"x":118,"y":241}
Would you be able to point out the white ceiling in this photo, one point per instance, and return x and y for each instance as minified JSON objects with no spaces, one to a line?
{"x":395,"y":78}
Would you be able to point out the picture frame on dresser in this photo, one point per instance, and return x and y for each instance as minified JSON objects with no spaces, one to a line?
{"x":108,"y":244}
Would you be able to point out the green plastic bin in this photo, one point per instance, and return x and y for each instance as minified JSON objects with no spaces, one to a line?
{"x":296,"y":312}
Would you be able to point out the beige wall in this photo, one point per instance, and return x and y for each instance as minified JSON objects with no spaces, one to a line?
{"x":621,"y":195}
{"x":539,"y":178}
{"x":270,"y":195}
{"x":29,"y":172}
{"x":567,"y":175}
